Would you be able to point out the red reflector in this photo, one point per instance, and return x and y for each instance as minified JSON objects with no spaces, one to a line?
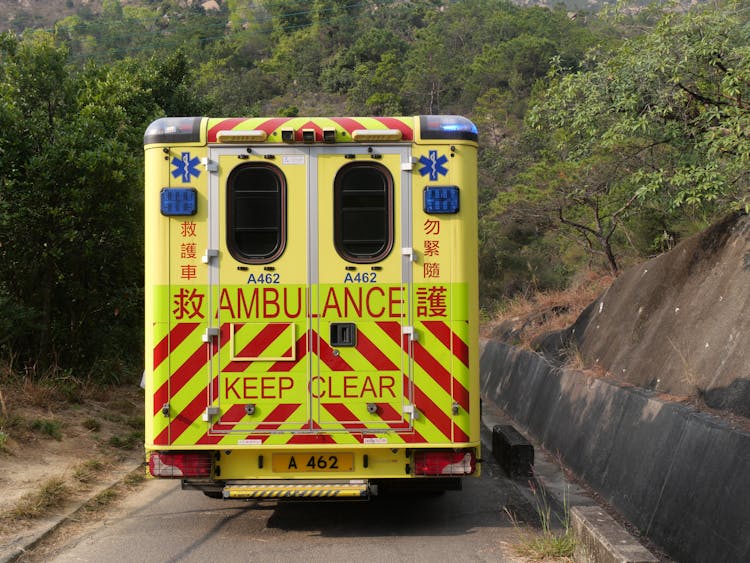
{"x":444,"y":463}
{"x":180,"y":464}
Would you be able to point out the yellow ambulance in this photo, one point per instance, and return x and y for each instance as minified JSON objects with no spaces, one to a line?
{"x":311,"y":304}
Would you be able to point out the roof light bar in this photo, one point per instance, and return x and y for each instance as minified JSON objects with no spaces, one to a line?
{"x":447,"y":127}
{"x":237,"y":136}
{"x":374,"y":135}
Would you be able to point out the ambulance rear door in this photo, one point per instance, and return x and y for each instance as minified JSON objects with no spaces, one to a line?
{"x":259,"y":277}
{"x":361,"y":270}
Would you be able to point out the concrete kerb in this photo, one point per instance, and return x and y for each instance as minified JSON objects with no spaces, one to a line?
{"x":43,"y":529}
{"x":599,"y":539}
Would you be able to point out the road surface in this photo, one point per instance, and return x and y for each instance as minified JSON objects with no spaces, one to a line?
{"x":159,"y":522}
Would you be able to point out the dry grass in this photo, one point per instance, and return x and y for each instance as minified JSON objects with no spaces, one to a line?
{"x":55,"y":492}
{"x":60,"y":439}
{"x":88,"y":471}
{"x":547,"y":311}
{"x":52,"y":494}
{"x":554,"y":541}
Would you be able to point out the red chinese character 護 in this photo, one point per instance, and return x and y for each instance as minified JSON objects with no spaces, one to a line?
{"x":188,"y":304}
{"x":431,"y":301}
{"x":188,"y":250}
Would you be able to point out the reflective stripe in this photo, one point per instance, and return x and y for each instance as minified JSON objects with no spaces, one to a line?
{"x":273,"y":126}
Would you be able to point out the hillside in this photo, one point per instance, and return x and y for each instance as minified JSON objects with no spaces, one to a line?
{"x":677,"y":324}
{"x":20,"y":14}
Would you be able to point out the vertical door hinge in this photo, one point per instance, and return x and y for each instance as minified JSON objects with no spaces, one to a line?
{"x":408,"y":164}
{"x":210,"y":413}
{"x":211,"y":165}
{"x":210,"y":253}
{"x":210,"y":333}
{"x":410,"y":332}
{"x":411,"y":411}
{"x":409,"y":252}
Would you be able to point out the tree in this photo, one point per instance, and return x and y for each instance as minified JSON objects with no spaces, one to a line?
{"x":70,"y":202}
{"x":671,"y":102}
{"x":643,"y":135}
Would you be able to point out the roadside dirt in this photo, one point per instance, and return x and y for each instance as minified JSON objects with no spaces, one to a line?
{"x":58,"y":446}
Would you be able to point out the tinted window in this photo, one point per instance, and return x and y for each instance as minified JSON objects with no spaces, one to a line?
{"x":363,"y":214}
{"x":256,"y":211}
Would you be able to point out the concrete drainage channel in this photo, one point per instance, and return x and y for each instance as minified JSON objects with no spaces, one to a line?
{"x":679,"y":476}
{"x":599,"y":538}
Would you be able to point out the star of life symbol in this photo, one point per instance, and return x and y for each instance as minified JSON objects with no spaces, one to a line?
{"x":433,"y":165}
{"x":186,"y":167}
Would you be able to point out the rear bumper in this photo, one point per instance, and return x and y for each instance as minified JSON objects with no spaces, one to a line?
{"x":355,"y":489}
{"x":319,"y":489}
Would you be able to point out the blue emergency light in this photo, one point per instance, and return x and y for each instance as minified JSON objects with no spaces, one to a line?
{"x":441,"y":199}
{"x":179,"y":201}
{"x":447,"y":127}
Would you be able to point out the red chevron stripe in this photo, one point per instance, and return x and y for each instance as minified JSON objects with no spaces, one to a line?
{"x":428,"y":408}
{"x":257,"y":346}
{"x":224,"y":125}
{"x":311,"y":438}
{"x":441,"y":376}
{"x":392,"y":329}
{"x":392,"y":123}
{"x":430,"y":365}
{"x":238,"y":411}
{"x":458,"y":434}
{"x":412,"y":437}
{"x":450,"y":340}
{"x":181,"y":376}
{"x":186,"y":416}
{"x":278,"y":416}
{"x":172,"y":340}
{"x":345,"y":417}
{"x":187,"y":370}
{"x":209,"y":439}
{"x":325,"y":353}
{"x":348,"y":124}
{"x":375,"y":355}
{"x":270,"y":125}
{"x":283,"y":366}
{"x":230,"y":418}
{"x":320,"y":348}
{"x":309,"y":125}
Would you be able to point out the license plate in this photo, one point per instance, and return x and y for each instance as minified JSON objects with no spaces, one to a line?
{"x":303,"y":462}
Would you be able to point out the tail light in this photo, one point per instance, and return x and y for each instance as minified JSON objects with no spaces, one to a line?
{"x":180,"y":464}
{"x":444,"y":463}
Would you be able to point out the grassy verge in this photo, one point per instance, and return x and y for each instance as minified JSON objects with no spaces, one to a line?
{"x":54,"y":494}
{"x":555,"y":539}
